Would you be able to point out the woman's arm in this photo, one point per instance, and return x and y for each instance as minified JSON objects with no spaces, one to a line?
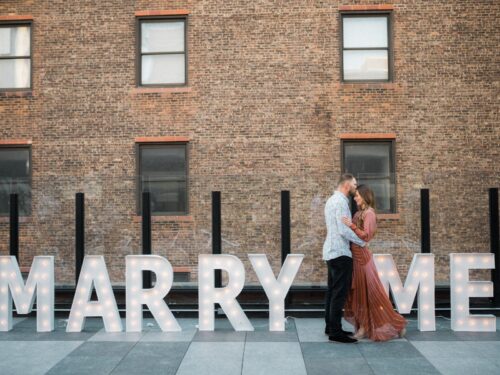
{"x":370,"y":225}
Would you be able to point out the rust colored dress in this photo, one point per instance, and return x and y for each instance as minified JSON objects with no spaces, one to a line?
{"x":367,"y":304}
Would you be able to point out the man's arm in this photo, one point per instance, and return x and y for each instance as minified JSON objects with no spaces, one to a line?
{"x":345,"y":231}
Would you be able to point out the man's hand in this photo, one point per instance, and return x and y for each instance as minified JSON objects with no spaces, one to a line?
{"x":346,"y":221}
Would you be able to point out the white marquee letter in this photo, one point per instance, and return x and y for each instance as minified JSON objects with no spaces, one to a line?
{"x":41,"y":278}
{"x":462,"y":289}
{"x":226,"y":297}
{"x":421,"y":277}
{"x":94,"y":273}
{"x":276,"y":290}
{"x":153,"y":297}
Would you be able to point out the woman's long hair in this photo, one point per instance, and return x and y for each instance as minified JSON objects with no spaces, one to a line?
{"x":369,"y":198}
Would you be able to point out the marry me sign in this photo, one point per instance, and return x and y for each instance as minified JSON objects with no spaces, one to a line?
{"x":94,"y":275}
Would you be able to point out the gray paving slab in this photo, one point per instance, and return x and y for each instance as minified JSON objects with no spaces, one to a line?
{"x":341,"y":366}
{"x":33,"y":357}
{"x":313,"y":329}
{"x":102,"y":335}
{"x":314,"y":351}
{"x":220,"y":336}
{"x":458,"y":365}
{"x":153,"y":358}
{"x":93,"y":358}
{"x":217,"y":358}
{"x":410,"y":366}
{"x":445,"y":349}
{"x":389,"y":350}
{"x":273,"y":358}
{"x":266,"y":336}
{"x":185,"y":335}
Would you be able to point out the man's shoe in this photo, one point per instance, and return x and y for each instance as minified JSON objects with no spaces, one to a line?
{"x":347,"y":333}
{"x":343,"y":339}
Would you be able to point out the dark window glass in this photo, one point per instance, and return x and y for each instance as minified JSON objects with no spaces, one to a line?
{"x":163,"y":172}
{"x":162,"y":52}
{"x":372,"y":163}
{"x":15,"y":56}
{"x":15,"y":178}
{"x":365,"y":47}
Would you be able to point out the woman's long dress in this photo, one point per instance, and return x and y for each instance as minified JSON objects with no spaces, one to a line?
{"x":367,"y":304}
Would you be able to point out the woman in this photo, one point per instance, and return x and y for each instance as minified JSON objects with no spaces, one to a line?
{"x":368,"y":307}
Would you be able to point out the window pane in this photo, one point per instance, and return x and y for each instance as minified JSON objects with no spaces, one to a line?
{"x":15,"y":73}
{"x":368,"y":158}
{"x":361,"y":32}
{"x":158,"y":69}
{"x":14,"y":163}
{"x":14,"y":178}
{"x":162,"y":36}
{"x":382,"y":191}
{"x":366,"y":65}
{"x":15,"y":41}
{"x":370,"y":163}
{"x":167,"y":196}
{"x":158,"y":162}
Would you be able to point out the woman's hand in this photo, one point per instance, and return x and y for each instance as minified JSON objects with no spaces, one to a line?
{"x":346,"y":221}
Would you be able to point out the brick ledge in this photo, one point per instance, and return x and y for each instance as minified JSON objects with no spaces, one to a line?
{"x":361,"y":7}
{"x":16,"y":94}
{"x":164,"y":139}
{"x":355,"y":136}
{"x":22,"y":219}
{"x":16,"y":17}
{"x":389,"y":216}
{"x":159,"y":90}
{"x":174,"y":12}
{"x":165,"y":219}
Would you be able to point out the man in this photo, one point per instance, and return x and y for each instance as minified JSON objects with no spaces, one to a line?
{"x":338,"y":256}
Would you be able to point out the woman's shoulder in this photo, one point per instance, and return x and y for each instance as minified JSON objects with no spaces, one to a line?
{"x":370,"y":212}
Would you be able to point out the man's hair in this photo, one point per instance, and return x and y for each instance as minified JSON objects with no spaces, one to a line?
{"x":345,"y":177}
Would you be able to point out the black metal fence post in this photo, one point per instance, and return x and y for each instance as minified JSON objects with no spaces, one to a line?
{"x":14,"y":226}
{"x":79,"y":233}
{"x":146,"y":235}
{"x":216,"y":232}
{"x":425,"y":223}
{"x":495,"y":242}
{"x":285,"y":232}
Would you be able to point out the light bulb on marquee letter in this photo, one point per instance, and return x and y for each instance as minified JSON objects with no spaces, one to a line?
{"x":225,"y":297}
{"x":461,"y":289}
{"x":94,"y":273}
{"x":420,"y":277}
{"x":40,"y":278}
{"x":276,"y":289}
{"x":153,"y":297}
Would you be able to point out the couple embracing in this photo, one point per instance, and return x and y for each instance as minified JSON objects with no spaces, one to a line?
{"x":353,"y":282}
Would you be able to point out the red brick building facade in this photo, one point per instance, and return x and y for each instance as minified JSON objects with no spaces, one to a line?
{"x":259,"y":99}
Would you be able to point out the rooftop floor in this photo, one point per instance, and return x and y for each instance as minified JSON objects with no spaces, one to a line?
{"x":301,"y":349}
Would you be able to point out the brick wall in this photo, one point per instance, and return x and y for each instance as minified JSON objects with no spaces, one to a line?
{"x":264,"y":110}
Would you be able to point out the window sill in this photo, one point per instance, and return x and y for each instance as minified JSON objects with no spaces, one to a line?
{"x":389,"y":216}
{"x":369,"y":86}
{"x":22,"y":219}
{"x":16,"y":94}
{"x":159,"y":90}
{"x":165,"y":219}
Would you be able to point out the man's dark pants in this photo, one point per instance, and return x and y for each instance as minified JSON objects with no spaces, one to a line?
{"x":339,"y":283}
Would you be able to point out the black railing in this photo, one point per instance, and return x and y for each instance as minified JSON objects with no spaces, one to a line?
{"x":425,"y":221}
{"x":146,"y":236}
{"x":79,"y":234}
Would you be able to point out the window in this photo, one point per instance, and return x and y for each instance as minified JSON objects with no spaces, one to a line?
{"x":372,"y":163}
{"x":15,"y":177}
{"x":162,"y":52}
{"x":366,"y":51}
{"x":15,"y":56}
{"x":163,"y":172}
